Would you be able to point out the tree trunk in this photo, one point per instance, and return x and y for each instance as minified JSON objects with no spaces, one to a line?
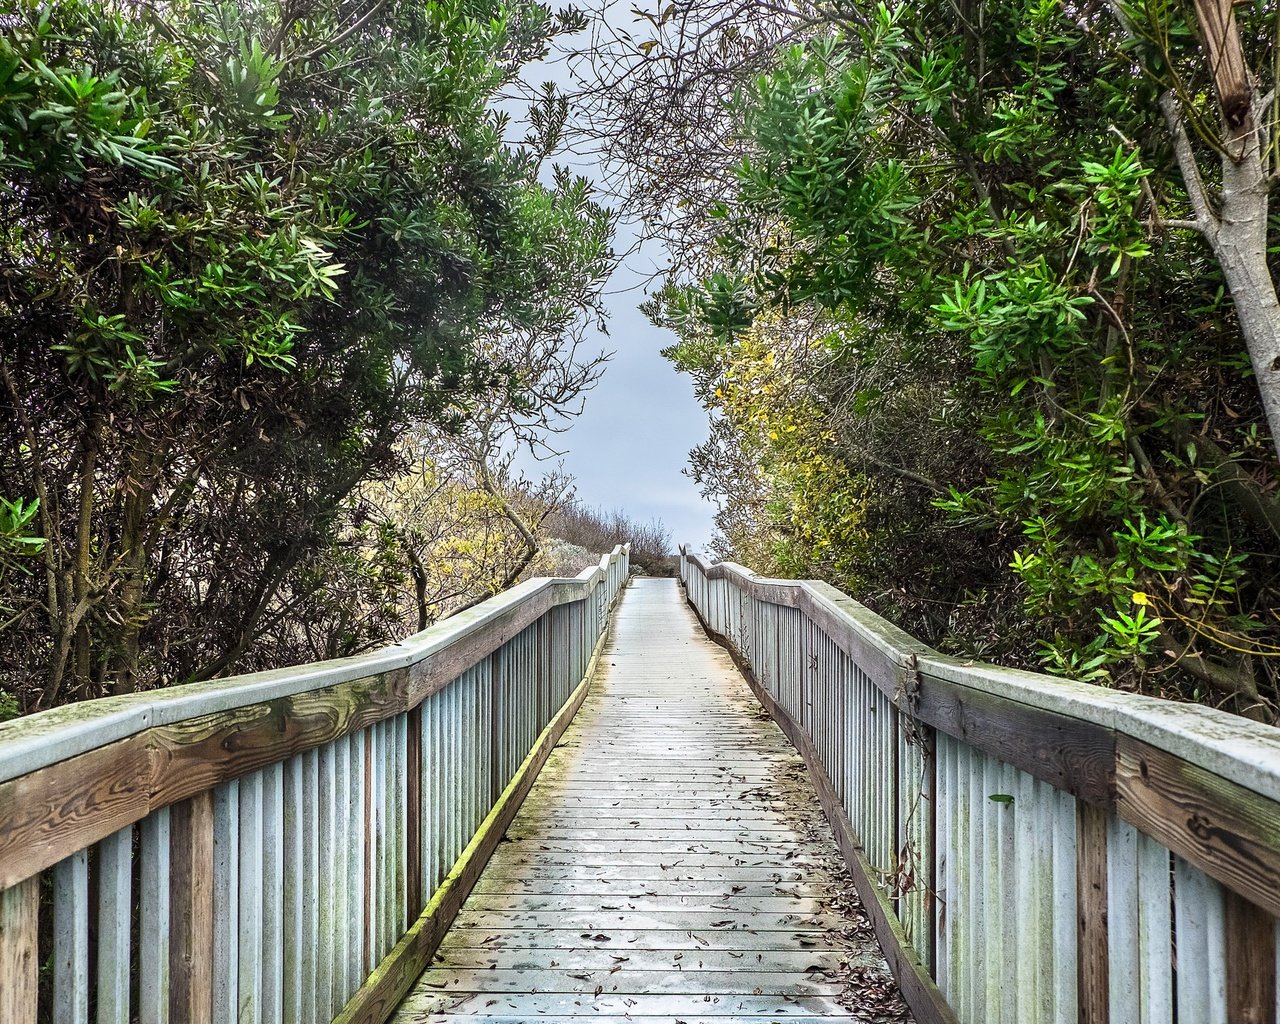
{"x":1238,"y":232}
{"x":84,"y":538}
{"x":133,"y":563}
{"x":1240,"y":244}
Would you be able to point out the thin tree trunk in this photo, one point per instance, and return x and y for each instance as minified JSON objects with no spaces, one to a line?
{"x":1237,"y":232}
{"x":84,"y":537}
{"x":133,"y":552}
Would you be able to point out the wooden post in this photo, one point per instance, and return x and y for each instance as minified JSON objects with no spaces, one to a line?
{"x":413,"y":813}
{"x":1092,"y":963}
{"x":1251,"y":962}
{"x":498,"y":709}
{"x":19,"y":914}
{"x":191,"y":910}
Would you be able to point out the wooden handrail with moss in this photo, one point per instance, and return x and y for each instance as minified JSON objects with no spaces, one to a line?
{"x":281,"y":846}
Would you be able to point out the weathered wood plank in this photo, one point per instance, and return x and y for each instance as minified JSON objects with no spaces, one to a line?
{"x":191,"y":910}
{"x":535,"y":1006}
{"x":19,"y":960}
{"x":1068,"y":753}
{"x":413,"y":812}
{"x":153,"y":931}
{"x":672,"y":979}
{"x":115,"y":915}
{"x":226,"y":901}
{"x":675,"y":961}
{"x":801,"y":938}
{"x":1092,"y":966}
{"x":1226,"y":830}
{"x":71,"y":939}
{"x":1251,"y":962}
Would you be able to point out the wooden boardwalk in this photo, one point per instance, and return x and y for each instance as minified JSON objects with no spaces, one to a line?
{"x":671,"y":863}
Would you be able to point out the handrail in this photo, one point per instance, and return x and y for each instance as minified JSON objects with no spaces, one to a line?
{"x":1029,"y":847}
{"x":253,"y":848}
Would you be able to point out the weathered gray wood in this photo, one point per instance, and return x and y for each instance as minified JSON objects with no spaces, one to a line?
{"x":294,"y":892}
{"x":115,"y":915}
{"x":671,"y":979}
{"x":226,"y":901}
{"x":738,"y":888}
{"x":273,"y":875}
{"x":515,"y":1017}
{"x":323,"y":880}
{"x":153,"y":931}
{"x":344,"y":906}
{"x":637,"y":1004}
{"x":19,"y":959}
{"x":356,"y":866}
{"x":249,"y":899}
{"x":554,"y":941}
{"x":676,"y":961}
{"x":71,"y":939}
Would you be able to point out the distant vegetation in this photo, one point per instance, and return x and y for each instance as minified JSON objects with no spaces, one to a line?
{"x":599,"y":529}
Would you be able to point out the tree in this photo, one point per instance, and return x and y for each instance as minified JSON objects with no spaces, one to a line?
{"x":969,"y":227}
{"x":1234,"y":221}
{"x":247,"y":248}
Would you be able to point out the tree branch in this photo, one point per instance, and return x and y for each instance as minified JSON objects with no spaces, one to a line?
{"x":1206,"y":219}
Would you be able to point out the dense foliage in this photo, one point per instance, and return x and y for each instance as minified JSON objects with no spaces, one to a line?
{"x":976,"y":335}
{"x":247,"y":249}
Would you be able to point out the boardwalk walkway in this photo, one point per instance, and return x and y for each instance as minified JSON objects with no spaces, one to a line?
{"x":671,"y":864}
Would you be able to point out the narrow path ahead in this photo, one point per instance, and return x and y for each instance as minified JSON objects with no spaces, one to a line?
{"x":671,"y":864}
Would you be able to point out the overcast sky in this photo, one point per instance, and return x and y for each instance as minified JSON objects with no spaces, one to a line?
{"x":631,"y":443}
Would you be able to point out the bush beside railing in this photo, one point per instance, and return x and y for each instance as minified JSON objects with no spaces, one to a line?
{"x":260,"y":849}
{"x":1032,"y":850}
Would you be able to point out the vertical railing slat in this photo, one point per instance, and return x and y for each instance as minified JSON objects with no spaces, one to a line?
{"x":274,"y":841}
{"x":294,"y":893}
{"x":249,"y":941}
{"x":115,"y":918}
{"x":191,"y":902}
{"x":356,"y":863}
{"x":19,"y":957}
{"x":226,"y":902}
{"x":343,"y":907}
{"x":153,"y":930}
{"x":71,"y":939}
{"x":1199,"y":904}
{"x":413,"y":809}
{"x":326,"y":814}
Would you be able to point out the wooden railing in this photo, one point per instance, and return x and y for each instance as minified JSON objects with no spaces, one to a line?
{"x":286,"y":846}
{"x":1031,"y":850}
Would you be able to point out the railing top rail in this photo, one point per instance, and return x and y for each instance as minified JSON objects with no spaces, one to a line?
{"x":37,"y":741}
{"x":1238,"y":749}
